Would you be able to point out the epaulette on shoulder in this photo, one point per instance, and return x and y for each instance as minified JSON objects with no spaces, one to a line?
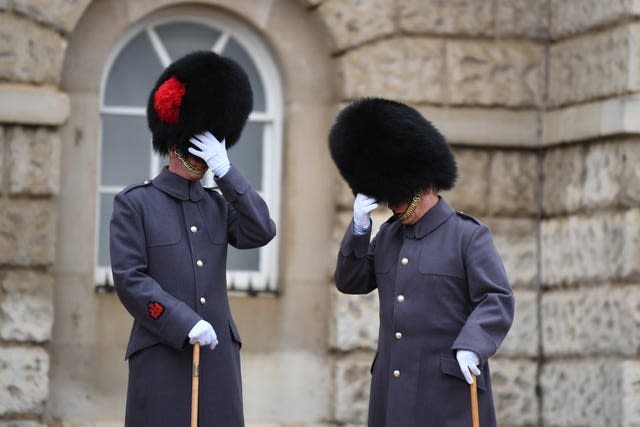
{"x":136,"y":185}
{"x":467,"y":216}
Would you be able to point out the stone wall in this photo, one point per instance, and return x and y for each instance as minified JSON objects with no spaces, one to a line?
{"x":32,"y":41}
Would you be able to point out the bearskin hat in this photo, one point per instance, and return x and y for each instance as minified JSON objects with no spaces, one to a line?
{"x":200,"y":91}
{"x":388,"y":151}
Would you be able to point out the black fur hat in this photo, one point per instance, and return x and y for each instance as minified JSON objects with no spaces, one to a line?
{"x":387,"y":150}
{"x":198,"y":92}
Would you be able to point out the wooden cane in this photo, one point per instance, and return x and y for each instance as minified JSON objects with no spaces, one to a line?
{"x":195,"y":385}
{"x":475,"y":418}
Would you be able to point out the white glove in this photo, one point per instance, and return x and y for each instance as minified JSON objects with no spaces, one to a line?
{"x":362,"y":207}
{"x":203,"y":334}
{"x":468,"y":361}
{"x":212,"y":151}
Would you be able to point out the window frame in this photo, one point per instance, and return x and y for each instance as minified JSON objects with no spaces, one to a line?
{"x":249,"y":282}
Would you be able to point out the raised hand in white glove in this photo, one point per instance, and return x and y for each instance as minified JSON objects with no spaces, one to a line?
{"x":212,"y":151}
{"x":362,"y":207}
{"x":468,"y":361}
{"x":203,"y":334}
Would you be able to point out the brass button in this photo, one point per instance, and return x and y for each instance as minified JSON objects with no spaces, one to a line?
{"x":146,"y":182}
{"x":404,"y":261}
{"x":194,"y":228}
{"x":400,"y":298}
{"x":396,"y":373}
{"x":203,"y":300}
{"x":199,"y":263}
{"x":398,"y":335}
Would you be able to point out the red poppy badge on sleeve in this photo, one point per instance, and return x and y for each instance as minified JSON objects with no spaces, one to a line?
{"x":155,"y":309}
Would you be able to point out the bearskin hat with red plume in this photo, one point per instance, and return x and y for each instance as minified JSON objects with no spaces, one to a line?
{"x":389,"y":151}
{"x":198,"y":92}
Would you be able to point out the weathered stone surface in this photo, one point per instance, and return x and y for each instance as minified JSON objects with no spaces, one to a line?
{"x":61,"y":14}
{"x":595,"y":65}
{"x":26,"y":306}
{"x":595,"y":248}
{"x":24,"y":380}
{"x":591,"y":392}
{"x":27,"y":232}
{"x":563,"y":170}
{"x":576,"y":16}
{"x":522,"y":339}
{"x":28,"y":52}
{"x":514,"y":391}
{"x":2,"y":157}
{"x":33,"y":105}
{"x":596,"y":176}
{"x":354,"y":322}
{"x":447,"y":17}
{"x":352,"y":382}
{"x":517,"y":241}
{"x":524,"y":18}
{"x":514,"y":182}
{"x":470,"y":193}
{"x":495,"y":73}
{"x":356,"y":21}
{"x":34,"y":157}
{"x":597,"y":119}
{"x":599,"y":321}
{"x":406,"y":69}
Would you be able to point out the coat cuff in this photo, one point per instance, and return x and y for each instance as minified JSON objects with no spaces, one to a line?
{"x":357,"y":244}
{"x":233,"y":184}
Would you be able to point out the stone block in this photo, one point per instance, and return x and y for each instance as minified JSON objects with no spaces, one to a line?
{"x":577,"y":16}
{"x":33,"y":105}
{"x":591,"y":392}
{"x":351,"y":393}
{"x":514,"y":391}
{"x":514,"y":182}
{"x":522,"y":18}
{"x":34,"y":157}
{"x":595,"y":321}
{"x":470,"y":193}
{"x":3,"y":167}
{"x":595,"y":66}
{"x":354,"y":323}
{"x":405,"y":69}
{"x":356,"y":21}
{"x":30,"y":53}
{"x":593,"y":120}
{"x":27,"y":232}
{"x":60,"y":14}
{"x":522,"y":339}
{"x":495,"y":73}
{"x":563,"y":171}
{"x":590,"y":248}
{"x":466,"y":17}
{"x":26,"y":306}
{"x":517,"y":243}
{"x":21,"y":423}
{"x":24,"y":380}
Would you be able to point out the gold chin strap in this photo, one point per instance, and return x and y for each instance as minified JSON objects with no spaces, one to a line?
{"x":412,"y":207}
{"x":188,"y":165}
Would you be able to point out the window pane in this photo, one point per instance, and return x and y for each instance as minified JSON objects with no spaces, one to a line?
{"x":245,"y":259}
{"x":106,"y":208}
{"x":181,"y":38}
{"x":247,"y":154}
{"x":133,"y":74}
{"x":126,"y":150}
{"x":236,"y":52}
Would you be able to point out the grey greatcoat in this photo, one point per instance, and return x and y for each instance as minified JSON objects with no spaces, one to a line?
{"x":169,"y":241}
{"x":442,"y":287}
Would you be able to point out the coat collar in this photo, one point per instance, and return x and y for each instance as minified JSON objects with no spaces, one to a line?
{"x":177,"y":186}
{"x":431,"y":220}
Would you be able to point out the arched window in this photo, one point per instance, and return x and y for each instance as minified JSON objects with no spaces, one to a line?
{"x":126,"y":153}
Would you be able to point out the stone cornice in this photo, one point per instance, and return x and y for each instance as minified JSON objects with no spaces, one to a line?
{"x":33,"y":105}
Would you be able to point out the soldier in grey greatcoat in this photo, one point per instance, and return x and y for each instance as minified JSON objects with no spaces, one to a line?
{"x":445,"y":301}
{"x":169,"y":241}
